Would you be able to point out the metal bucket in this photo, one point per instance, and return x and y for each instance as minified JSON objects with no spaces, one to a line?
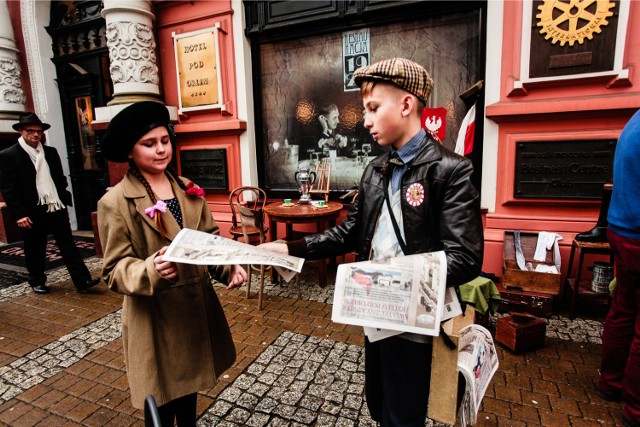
{"x":602,"y":276}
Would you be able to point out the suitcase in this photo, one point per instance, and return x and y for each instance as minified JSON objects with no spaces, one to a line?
{"x":521,"y":331}
{"x":530,"y":281}
{"x":536,"y":303}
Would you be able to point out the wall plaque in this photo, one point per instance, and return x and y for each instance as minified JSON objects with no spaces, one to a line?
{"x":568,"y":39}
{"x":206,"y":168}
{"x":198,"y":69}
{"x":563,"y":169}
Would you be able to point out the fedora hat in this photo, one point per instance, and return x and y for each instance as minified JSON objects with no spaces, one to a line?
{"x":29,"y":119}
{"x":129,"y":125}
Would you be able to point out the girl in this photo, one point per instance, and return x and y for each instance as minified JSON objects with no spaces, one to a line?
{"x":176,"y":337}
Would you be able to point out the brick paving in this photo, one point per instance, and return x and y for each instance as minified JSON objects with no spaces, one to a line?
{"x":61,"y":364}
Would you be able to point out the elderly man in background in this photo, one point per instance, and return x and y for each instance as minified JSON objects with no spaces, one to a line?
{"x":35,"y":190}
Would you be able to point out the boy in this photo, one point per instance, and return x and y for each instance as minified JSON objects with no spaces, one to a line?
{"x":416,"y":198}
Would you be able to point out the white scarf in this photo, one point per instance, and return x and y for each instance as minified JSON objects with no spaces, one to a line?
{"x":47,"y":193}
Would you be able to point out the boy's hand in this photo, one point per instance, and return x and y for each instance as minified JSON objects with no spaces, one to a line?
{"x":280,"y":248}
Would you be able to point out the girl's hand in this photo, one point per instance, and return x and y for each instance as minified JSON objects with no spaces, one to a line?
{"x":166,"y":269}
{"x":237,"y":276}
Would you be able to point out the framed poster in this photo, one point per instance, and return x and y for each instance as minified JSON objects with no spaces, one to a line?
{"x":310,"y":108}
{"x":198,"y":70}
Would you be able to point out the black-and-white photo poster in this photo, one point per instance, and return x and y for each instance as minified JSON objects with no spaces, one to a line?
{"x":309,"y":115}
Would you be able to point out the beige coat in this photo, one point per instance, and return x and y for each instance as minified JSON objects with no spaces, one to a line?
{"x":176,"y":337}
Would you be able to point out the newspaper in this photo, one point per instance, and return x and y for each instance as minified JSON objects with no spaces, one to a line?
{"x":451,"y":308}
{"x":404,"y":294}
{"x":198,"y":247}
{"x":478,"y":362}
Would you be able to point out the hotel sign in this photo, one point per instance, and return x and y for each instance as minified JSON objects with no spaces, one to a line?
{"x":198,"y":69}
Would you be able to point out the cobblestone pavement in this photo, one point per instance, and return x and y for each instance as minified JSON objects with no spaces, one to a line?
{"x":61,"y":364}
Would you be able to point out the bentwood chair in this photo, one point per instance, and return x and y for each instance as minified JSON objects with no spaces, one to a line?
{"x":253,"y":198}
{"x":252,"y":219}
{"x":248,"y":214}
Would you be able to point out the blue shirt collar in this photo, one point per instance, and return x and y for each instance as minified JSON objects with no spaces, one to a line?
{"x":409,"y":150}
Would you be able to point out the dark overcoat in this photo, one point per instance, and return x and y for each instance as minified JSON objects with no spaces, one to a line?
{"x":18,"y":180}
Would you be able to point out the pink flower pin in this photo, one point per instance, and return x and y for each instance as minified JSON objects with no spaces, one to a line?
{"x":160,"y":206}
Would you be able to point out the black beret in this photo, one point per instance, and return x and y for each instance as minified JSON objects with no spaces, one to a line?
{"x":129,"y":125}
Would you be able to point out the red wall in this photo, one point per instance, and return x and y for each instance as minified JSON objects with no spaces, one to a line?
{"x":215,"y":128}
{"x":595,"y":108}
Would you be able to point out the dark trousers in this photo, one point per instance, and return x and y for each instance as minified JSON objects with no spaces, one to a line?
{"x":397,"y":379}
{"x":182,"y":410}
{"x":620,"y":365}
{"x":35,"y":245}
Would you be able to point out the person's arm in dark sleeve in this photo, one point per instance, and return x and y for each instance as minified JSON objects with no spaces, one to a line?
{"x":337,"y":240}
{"x":461,"y":226}
{"x":10,"y":188}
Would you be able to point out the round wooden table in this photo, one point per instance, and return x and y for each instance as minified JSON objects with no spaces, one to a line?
{"x":303,"y":214}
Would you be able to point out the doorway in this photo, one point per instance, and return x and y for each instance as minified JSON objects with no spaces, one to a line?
{"x":78,"y":33}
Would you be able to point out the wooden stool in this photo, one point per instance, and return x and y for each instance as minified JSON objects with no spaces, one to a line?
{"x":577,"y":287}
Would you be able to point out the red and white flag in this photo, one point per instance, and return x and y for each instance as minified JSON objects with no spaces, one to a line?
{"x":434,"y":121}
{"x":464,"y":143}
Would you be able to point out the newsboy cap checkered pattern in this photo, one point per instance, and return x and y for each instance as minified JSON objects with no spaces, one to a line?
{"x":405,"y":74}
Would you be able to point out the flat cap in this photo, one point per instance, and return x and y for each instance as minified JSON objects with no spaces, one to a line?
{"x":129,"y":125}
{"x":403,"y":73}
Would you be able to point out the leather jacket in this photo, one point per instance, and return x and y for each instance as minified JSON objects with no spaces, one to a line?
{"x":447,"y":219}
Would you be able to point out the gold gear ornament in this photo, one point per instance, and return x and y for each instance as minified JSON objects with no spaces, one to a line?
{"x":576,"y":13}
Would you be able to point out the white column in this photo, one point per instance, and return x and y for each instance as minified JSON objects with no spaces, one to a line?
{"x":495,"y":19}
{"x":242,"y":59}
{"x":132,"y":50}
{"x":12,"y":97}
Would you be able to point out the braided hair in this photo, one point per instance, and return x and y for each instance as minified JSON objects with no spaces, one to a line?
{"x":133,"y":168}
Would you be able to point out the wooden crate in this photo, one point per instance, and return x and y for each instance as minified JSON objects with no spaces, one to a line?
{"x":521,"y":331}
{"x":531,"y":281}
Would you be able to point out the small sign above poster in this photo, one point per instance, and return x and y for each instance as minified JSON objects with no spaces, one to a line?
{"x":356,"y":52}
{"x":198,"y":70}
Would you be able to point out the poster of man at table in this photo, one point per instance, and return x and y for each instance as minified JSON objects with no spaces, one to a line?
{"x":312,"y":109}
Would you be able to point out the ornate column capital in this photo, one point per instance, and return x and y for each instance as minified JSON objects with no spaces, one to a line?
{"x":12,"y":98}
{"x":132,"y":50}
